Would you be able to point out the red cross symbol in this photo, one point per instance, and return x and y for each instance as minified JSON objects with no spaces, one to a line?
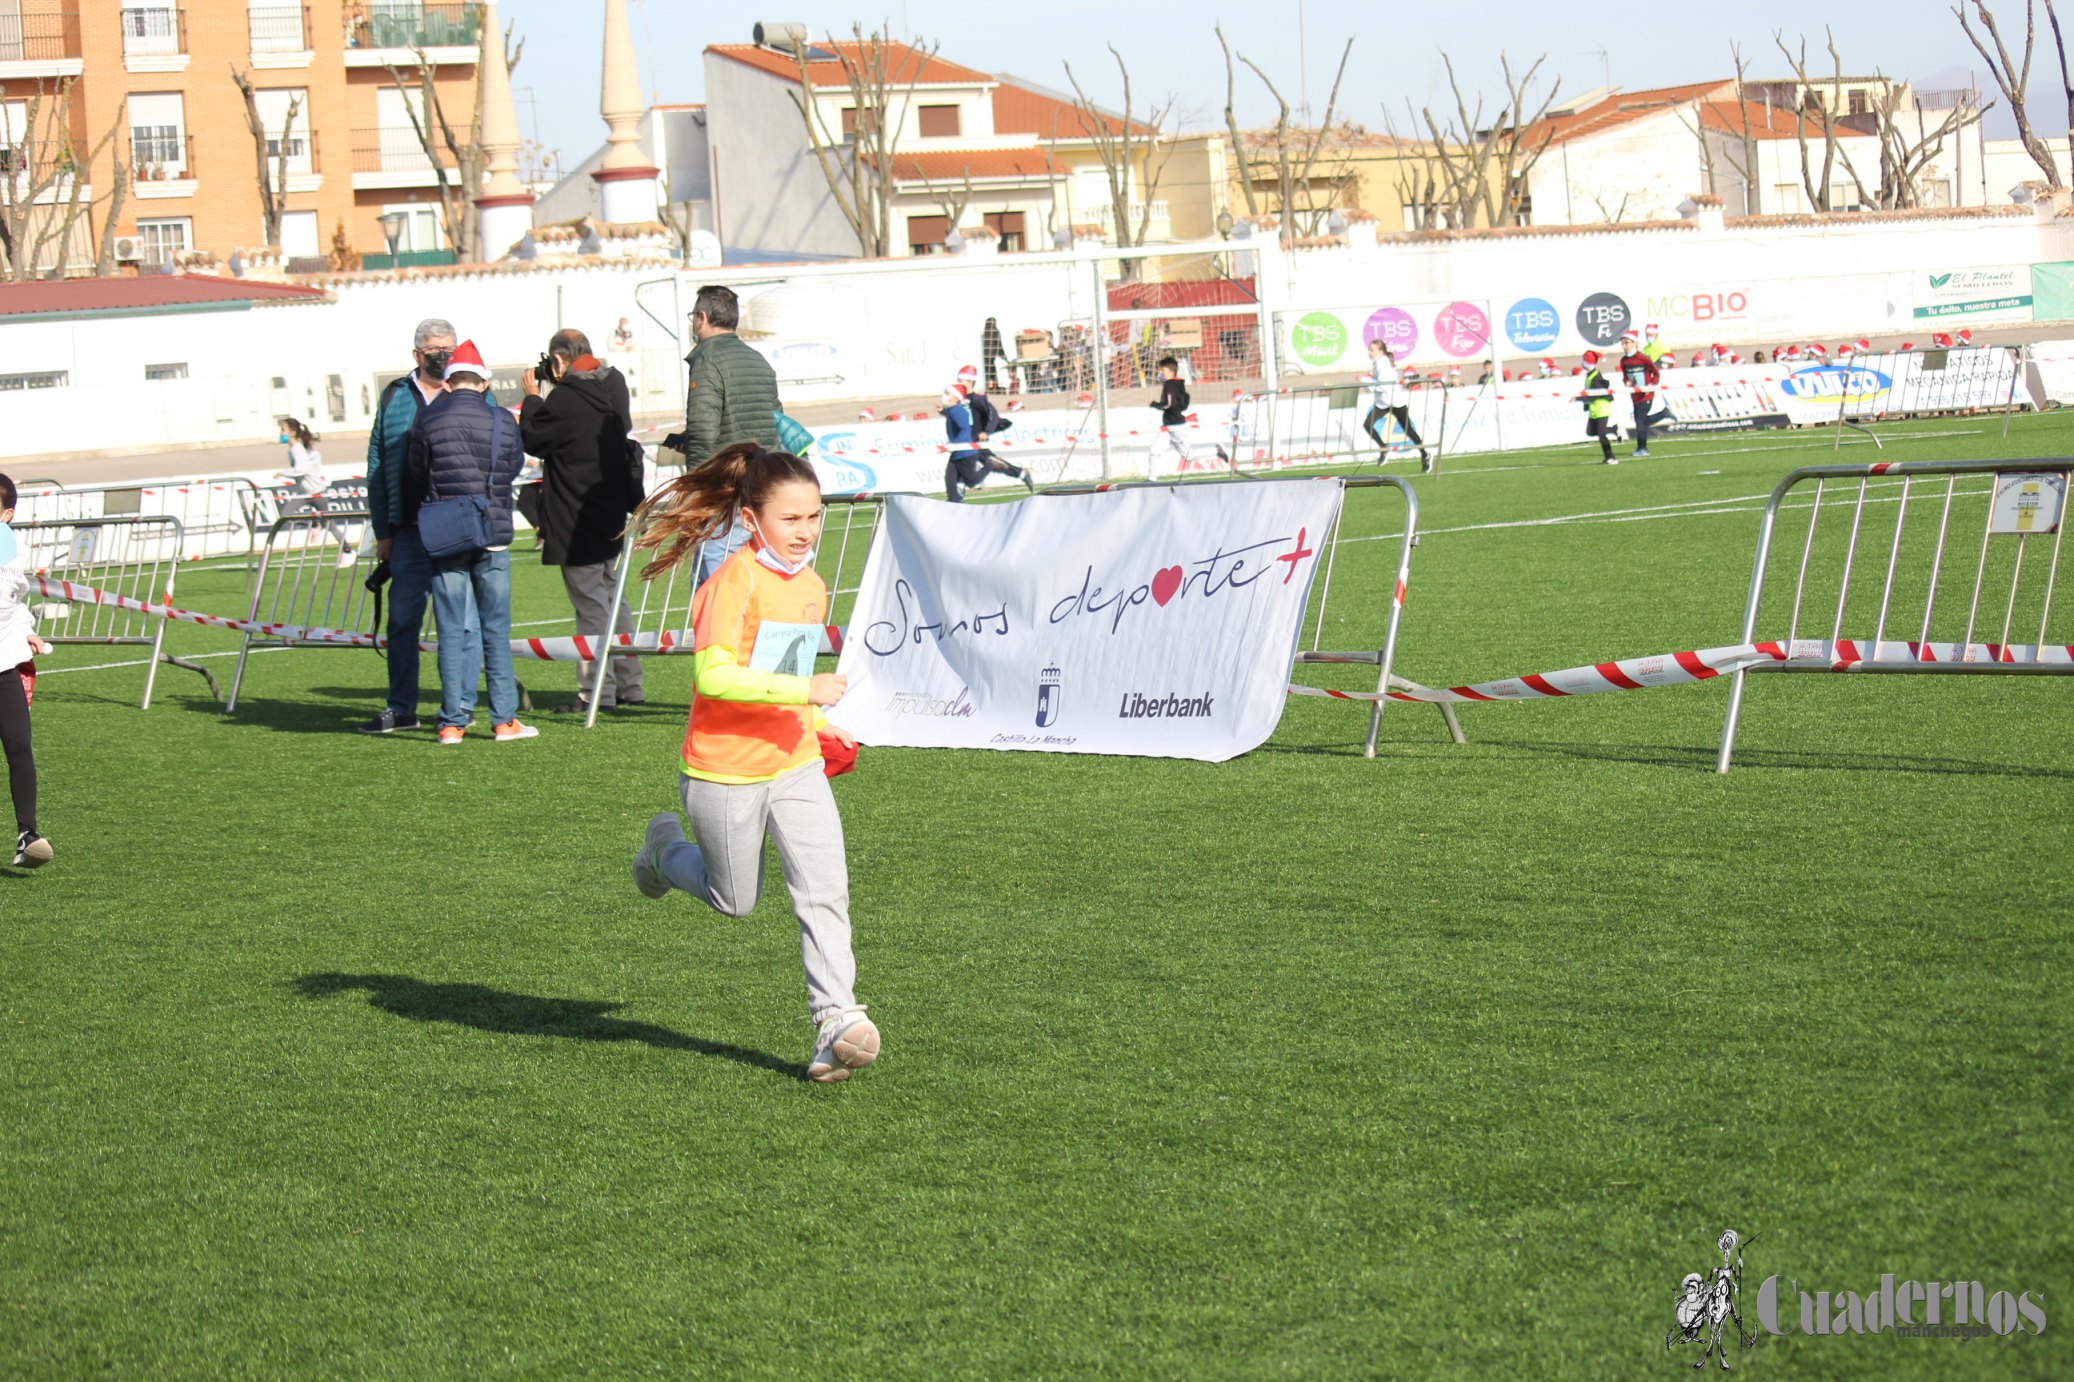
{"x":1295,"y":555}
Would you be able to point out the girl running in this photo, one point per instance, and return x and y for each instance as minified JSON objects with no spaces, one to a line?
{"x":752,"y":761}
{"x":18,"y":641}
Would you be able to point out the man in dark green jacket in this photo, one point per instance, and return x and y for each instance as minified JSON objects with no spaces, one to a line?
{"x":733,"y":397}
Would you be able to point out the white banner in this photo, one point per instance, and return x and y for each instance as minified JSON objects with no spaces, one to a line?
{"x":1158,"y":621}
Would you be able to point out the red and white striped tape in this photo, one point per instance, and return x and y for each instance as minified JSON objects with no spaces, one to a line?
{"x":568,"y":648}
{"x":1675,"y":669}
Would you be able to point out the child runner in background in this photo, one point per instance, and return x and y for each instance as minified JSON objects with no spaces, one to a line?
{"x":970,"y":460}
{"x":306,"y":472}
{"x":1387,"y":397}
{"x":1639,"y":372}
{"x":751,"y":762}
{"x":17,"y":675}
{"x":1597,"y":399}
{"x":1173,"y":416}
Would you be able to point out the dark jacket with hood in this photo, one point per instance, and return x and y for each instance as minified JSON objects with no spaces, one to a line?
{"x":588,"y":484}
{"x":465,"y":444}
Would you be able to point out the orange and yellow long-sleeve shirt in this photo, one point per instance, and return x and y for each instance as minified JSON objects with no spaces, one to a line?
{"x":756,"y":632}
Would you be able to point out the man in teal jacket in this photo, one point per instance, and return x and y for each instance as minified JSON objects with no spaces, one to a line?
{"x":733,"y":397}
{"x":396,"y":526}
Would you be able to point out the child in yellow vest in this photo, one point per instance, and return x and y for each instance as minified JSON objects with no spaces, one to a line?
{"x":751,"y":763}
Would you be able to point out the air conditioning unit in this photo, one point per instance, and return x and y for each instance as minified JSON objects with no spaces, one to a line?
{"x":129,"y":249}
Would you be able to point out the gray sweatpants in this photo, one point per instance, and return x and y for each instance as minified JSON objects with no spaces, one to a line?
{"x":590,"y":589}
{"x":724,"y":868}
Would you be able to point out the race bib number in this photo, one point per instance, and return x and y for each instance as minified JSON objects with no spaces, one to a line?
{"x":786,"y":648}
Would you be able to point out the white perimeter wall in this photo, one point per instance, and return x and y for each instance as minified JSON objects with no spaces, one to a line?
{"x":769,"y":193}
{"x":886,"y":330}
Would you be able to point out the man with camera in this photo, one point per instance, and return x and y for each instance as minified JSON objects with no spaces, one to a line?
{"x":590,"y":482}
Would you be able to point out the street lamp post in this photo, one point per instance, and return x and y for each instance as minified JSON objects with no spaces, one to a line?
{"x":392,"y":224}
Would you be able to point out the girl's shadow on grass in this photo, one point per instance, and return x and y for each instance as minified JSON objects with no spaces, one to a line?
{"x":519,"y":1014}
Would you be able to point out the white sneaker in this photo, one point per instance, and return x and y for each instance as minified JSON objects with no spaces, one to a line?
{"x":847,"y":1041}
{"x":346,"y":557}
{"x":664,"y":828}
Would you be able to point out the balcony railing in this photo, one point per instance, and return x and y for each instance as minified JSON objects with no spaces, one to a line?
{"x":403,"y":24}
{"x":153,"y":31}
{"x":41,"y":161}
{"x":280,"y":29}
{"x":43,"y":37}
{"x":161,"y":157}
{"x":393,"y":149}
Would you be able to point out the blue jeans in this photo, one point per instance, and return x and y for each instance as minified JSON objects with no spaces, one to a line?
{"x":715,"y":550}
{"x":410,"y":581}
{"x":473,"y":590}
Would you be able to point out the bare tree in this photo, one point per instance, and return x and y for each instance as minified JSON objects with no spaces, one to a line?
{"x":1905,"y":150}
{"x":1295,"y":152}
{"x":1743,"y":162}
{"x":118,"y":189}
{"x":1231,"y":124}
{"x":1812,"y":100}
{"x":858,"y":163}
{"x":273,"y":184}
{"x":2014,"y":77}
{"x":44,"y":184}
{"x":1133,"y":154}
{"x":1486,"y":166}
{"x":951,"y":198}
{"x":458,"y":163}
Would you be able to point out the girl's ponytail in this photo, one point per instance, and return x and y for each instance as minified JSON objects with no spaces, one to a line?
{"x":701,"y":503}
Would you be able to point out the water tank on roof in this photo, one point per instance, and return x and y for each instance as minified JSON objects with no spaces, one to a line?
{"x":786,"y":37}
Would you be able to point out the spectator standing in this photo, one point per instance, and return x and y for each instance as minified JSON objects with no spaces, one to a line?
{"x":395,"y":531}
{"x":590,"y":482}
{"x":733,"y":397}
{"x":466,"y":446}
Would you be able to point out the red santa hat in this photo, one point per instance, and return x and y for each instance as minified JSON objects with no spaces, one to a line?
{"x":466,"y":359}
{"x":956,"y":394}
{"x":1629,"y":336}
{"x":1940,"y":340}
{"x":866,"y":415}
{"x":1862,"y":344}
{"x":1966,"y":334}
{"x":1908,"y":345}
{"x":1699,"y":357}
{"x":1817,"y":348}
{"x":1591,"y":357}
{"x":1650,"y":330}
{"x":968,"y":374}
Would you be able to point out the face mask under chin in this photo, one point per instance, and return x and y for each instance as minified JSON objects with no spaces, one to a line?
{"x":775,"y":562}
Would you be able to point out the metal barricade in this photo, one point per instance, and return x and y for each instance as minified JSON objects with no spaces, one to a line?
{"x":2012,"y":504}
{"x":660,"y":613}
{"x":216,"y":513}
{"x":1319,"y":423}
{"x":1893,"y":385}
{"x":1383,"y":657}
{"x":300,"y":584}
{"x":132,"y":556}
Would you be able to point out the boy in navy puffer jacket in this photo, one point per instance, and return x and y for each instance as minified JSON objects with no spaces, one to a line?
{"x":463,"y":445}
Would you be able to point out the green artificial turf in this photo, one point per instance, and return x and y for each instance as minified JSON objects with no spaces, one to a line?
{"x":357,"y":1057}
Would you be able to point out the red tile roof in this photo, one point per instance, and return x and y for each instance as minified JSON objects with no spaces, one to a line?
{"x":950,"y":166}
{"x":1766,"y":122}
{"x":904,"y":64}
{"x":146,"y":293}
{"x":1018,"y":110}
{"x":1619,"y":109}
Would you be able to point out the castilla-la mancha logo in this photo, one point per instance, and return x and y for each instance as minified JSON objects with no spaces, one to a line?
{"x":1708,"y":1303}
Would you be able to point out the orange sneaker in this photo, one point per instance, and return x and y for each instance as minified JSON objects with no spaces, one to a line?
{"x":512,"y":729}
{"x":451,"y":734}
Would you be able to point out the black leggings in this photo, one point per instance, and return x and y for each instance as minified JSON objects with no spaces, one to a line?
{"x":14,"y":737}
{"x":1403,"y":416}
{"x":968,"y":468}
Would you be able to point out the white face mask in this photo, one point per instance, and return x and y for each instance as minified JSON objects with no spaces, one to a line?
{"x":7,"y":544}
{"x":769,"y":558}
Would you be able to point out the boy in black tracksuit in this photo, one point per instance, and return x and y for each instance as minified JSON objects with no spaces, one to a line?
{"x":1173,"y":414}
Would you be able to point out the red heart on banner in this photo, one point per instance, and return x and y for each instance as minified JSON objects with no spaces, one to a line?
{"x":1165,"y":582}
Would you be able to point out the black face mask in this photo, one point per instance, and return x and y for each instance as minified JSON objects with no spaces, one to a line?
{"x":435,"y":362}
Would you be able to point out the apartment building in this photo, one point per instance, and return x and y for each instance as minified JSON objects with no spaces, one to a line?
{"x":160,"y":74}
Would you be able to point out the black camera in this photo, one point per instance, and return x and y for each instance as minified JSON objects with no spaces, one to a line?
{"x":378,"y":578}
{"x":545,"y":370}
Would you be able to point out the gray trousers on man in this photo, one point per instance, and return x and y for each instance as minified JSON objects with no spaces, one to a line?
{"x":590,"y":593}
{"x":724,"y":869}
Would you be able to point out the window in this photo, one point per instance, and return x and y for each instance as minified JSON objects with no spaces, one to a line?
{"x":45,"y":379}
{"x":939,"y":122}
{"x":150,"y":31}
{"x":157,"y":373}
{"x":850,"y":121}
{"x":273,"y":118}
{"x":276,"y":28}
{"x":160,"y":239}
{"x":158,"y":133}
{"x":1009,"y":226}
{"x":1856,"y":103}
{"x":420,"y":230}
{"x":925,"y":234}
{"x":299,"y":235}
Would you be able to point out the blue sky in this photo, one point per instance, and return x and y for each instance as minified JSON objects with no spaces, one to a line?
{"x":1171,"y":48}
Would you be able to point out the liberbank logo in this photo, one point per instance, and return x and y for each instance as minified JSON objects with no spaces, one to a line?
{"x":1139,"y":706}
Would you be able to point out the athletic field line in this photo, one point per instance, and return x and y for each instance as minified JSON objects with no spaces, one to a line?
{"x":198,"y":657}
